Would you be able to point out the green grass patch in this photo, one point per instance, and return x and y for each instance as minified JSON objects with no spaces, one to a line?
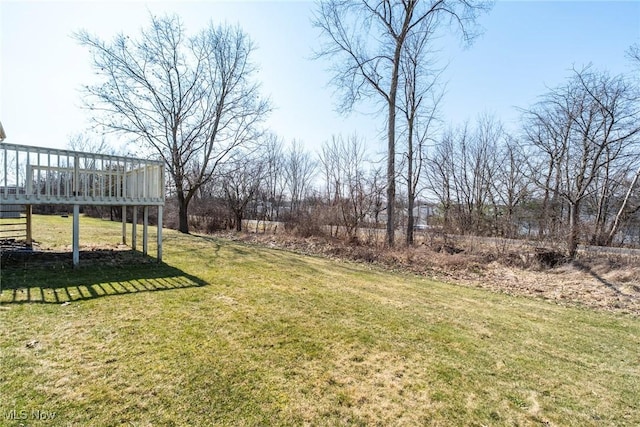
{"x":224,"y":333}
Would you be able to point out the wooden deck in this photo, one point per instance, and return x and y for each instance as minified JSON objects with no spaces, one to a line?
{"x":46,"y":176}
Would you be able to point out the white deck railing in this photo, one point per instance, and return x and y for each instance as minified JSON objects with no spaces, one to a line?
{"x":37,"y":175}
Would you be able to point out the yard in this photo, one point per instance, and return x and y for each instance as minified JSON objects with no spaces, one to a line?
{"x":227,"y":333}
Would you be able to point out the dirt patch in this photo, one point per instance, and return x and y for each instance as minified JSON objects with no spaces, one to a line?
{"x":611,"y":284}
{"x":109,"y":255}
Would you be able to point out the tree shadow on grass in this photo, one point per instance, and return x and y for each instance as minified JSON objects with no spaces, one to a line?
{"x":602,"y":280}
{"x":48,"y":278}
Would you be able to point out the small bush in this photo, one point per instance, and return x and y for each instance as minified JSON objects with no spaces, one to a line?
{"x":305,"y":227}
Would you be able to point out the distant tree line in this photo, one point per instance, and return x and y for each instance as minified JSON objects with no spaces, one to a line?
{"x":568,"y":175}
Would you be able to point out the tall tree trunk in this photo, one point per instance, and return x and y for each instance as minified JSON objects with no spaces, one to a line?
{"x":545,"y":217}
{"x":410,"y":221}
{"x":410,"y":187}
{"x":599,"y":235}
{"x":183,"y":217}
{"x":574,"y":223}
{"x":239,"y":220}
{"x":391,"y":169}
{"x":391,"y":149}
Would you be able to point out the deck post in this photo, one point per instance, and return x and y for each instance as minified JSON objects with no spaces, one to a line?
{"x":124,"y":225}
{"x":134,"y":223}
{"x":29,"y":229}
{"x":76,"y":235}
{"x":159,"y":233}
{"x":145,"y":231}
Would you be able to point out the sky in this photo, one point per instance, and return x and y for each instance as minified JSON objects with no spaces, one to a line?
{"x":526,"y":48}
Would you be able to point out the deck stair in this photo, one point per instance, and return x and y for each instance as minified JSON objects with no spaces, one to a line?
{"x":14,"y":226}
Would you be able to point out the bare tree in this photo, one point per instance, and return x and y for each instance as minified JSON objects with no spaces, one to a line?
{"x":547,"y":135}
{"x":419,"y":105}
{"x":484,"y":150}
{"x":583,"y":128}
{"x":473,"y":173}
{"x":82,"y":142}
{"x":241,"y":180}
{"x":511,"y":186}
{"x":367,"y":38}
{"x":189,"y":100}
{"x":299,"y":169}
{"x":440,"y":173}
{"x":464,"y":173}
{"x":376,"y":189}
{"x":344,"y":165}
{"x":272,"y":191}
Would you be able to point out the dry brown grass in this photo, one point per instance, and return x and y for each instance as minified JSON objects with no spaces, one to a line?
{"x":606,"y":283}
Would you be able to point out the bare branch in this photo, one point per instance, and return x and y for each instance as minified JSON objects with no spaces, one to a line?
{"x":189,"y":99}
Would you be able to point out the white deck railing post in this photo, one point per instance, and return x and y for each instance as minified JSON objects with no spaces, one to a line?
{"x":76,"y":176}
{"x":76,"y":235}
{"x":5,"y":183}
{"x":134,"y":232}
{"x":145,"y":230}
{"x":160,"y":233}
{"x":124,"y":224}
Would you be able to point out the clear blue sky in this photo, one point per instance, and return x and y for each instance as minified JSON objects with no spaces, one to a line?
{"x":526,"y":47}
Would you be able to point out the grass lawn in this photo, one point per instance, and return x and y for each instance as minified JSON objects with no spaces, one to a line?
{"x":228,"y":334}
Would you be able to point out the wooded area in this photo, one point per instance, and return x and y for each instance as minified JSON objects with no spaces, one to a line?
{"x":568,"y":175}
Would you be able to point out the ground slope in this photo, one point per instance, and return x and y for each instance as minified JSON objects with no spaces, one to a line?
{"x":225,"y":333}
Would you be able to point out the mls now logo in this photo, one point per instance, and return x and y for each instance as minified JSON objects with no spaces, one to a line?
{"x":34,"y":414}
